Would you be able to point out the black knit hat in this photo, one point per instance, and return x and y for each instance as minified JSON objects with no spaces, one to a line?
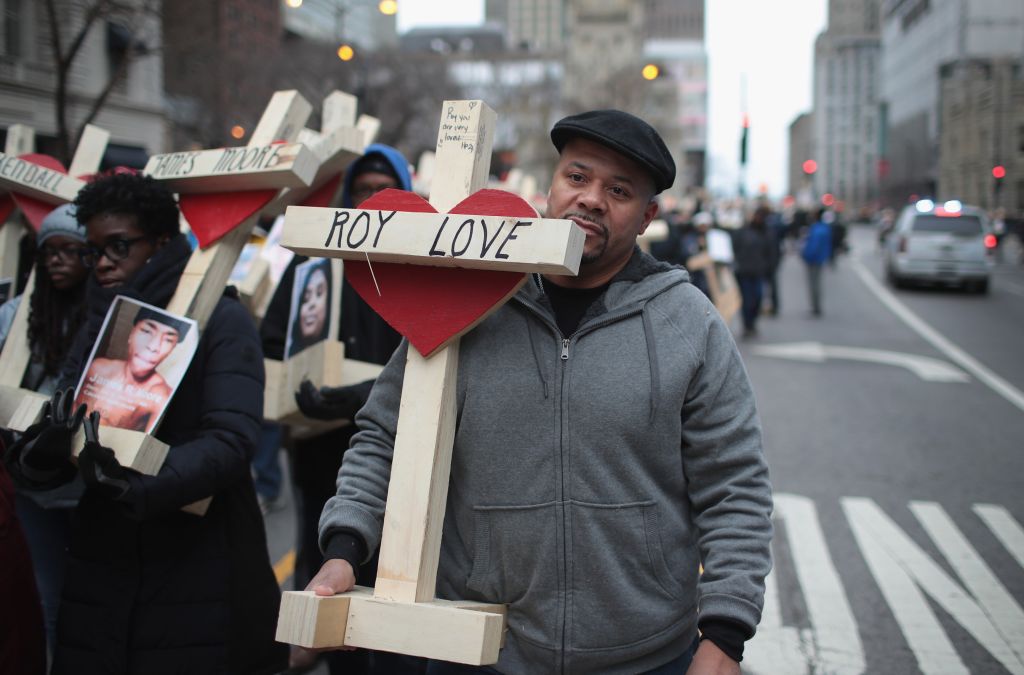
{"x":624,"y":133}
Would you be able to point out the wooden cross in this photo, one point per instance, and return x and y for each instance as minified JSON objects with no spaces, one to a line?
{"x":20,"y":408}
{"x":271,"y":160}
{"x":401,"y":613}
{"x":336,"y":145}
{"x":340,"y":142}
{"x":21,"y":139}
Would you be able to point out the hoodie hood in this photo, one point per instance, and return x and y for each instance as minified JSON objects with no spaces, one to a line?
{"x":393,"y":157}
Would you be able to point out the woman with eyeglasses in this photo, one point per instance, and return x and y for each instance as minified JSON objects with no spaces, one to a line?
{"x":148,"y":587}
{"x":56,"y":310}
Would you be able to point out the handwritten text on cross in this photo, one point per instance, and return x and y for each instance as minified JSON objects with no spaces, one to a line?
{"x":282,"y":164}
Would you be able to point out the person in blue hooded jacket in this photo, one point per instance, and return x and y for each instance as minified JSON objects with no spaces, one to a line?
{"x":816,"y":251}
{"x":315,"y":461}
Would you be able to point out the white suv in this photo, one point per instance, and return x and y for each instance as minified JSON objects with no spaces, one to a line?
{"x":940,"y":243}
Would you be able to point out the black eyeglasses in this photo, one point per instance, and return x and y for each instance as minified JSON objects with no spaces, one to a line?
{"x":66,"y":253}
{"x":115,"y":250}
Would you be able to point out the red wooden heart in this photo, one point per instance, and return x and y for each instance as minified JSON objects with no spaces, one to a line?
{"x":432,"y":305}
{"x":36,"y":209}
{"x":6,"y":207}
{"x":214,"y":214}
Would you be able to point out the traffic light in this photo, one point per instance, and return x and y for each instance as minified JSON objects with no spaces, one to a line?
{"x":743,"y":139}
{"x":810,"y":166}
{"x":998,"y":173}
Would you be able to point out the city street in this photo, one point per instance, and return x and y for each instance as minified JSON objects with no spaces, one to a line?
{"x":898,"y":546}
{"x":896,"y":467}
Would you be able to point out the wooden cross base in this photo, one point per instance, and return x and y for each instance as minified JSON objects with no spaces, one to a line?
{"x":460,"y":631}
{"x":20,"y":408}
{"x":324,"y":364}
{"x":133,"y":449}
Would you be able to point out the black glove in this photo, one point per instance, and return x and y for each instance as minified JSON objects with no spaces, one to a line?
{"x":99,"y":467}
{"x":328,"y":403}
{"x":41,"y":456}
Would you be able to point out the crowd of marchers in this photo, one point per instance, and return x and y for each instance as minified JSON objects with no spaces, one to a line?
{"x":608,"y":480}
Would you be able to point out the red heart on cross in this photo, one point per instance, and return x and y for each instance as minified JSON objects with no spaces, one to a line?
{"x":6,"y":207}
{"x":433,"y":305}
{"x":214,"y":214}
{"x":36,"y":209}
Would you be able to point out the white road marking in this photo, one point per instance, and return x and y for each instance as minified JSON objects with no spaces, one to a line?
{"x":776,"y":648}
{"x":1007,"y":530}
{"x":838,"y":647}
{"x":928,"y":369}
{"x":990,"y":593}
{"x":955,"y":354}
{"x":900,"y":566}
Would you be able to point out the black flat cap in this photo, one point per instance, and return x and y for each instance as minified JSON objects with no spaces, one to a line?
{"x":624,"y":133}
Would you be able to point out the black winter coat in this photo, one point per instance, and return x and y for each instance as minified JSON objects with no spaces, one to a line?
{"x":150,"y":589}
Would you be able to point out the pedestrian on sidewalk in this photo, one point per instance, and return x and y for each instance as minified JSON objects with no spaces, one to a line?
{"x":817,"y":250}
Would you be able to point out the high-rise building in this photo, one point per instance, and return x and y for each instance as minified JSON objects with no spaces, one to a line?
{"x":603,"y":55}
{"x":133,"y":112}
{"x":918,"y":37}
{"x":981,"y":122}
{"x":847,"y":111}
{"x":801,"y":150}
{"x":677,"y":100}
{"x":537,"y":26}
{"x":674,"y":19}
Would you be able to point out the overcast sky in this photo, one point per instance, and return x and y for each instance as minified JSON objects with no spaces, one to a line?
{"x":770,"y":43}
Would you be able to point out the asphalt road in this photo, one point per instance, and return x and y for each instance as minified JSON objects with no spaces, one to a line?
{"x":865,"y":454}
{"x":899,"y":546}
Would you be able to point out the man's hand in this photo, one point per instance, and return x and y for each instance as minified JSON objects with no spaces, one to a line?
{"x":710,"y":660}
{"x":98,"y":465}
{"x":328,"y":403}
{"x":44,"y":450}
{"x":336,"y":576}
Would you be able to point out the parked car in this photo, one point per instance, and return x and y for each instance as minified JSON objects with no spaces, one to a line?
{"x":946,"y":243}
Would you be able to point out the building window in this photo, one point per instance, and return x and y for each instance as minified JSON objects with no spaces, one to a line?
{"x":10,"y":17}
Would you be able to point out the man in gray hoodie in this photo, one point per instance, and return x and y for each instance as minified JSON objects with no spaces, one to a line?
{"x":607,"y":447}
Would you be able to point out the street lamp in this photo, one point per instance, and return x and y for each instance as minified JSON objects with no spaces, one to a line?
{"x":388,"y":7}
{"x":346,"y":53}
{"x":650,"y":72}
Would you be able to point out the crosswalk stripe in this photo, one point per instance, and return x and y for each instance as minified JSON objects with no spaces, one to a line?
{"x":990,"y":593}
{"x":934,"y":652}
{"x":833,"y":644}
{"x":835,"y":630}
{"x":900,"y":566}
{"x":1007,"y":530}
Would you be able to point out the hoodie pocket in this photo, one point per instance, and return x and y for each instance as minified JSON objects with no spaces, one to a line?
{"x":621,"y":588}
{"x":515,"y":554}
